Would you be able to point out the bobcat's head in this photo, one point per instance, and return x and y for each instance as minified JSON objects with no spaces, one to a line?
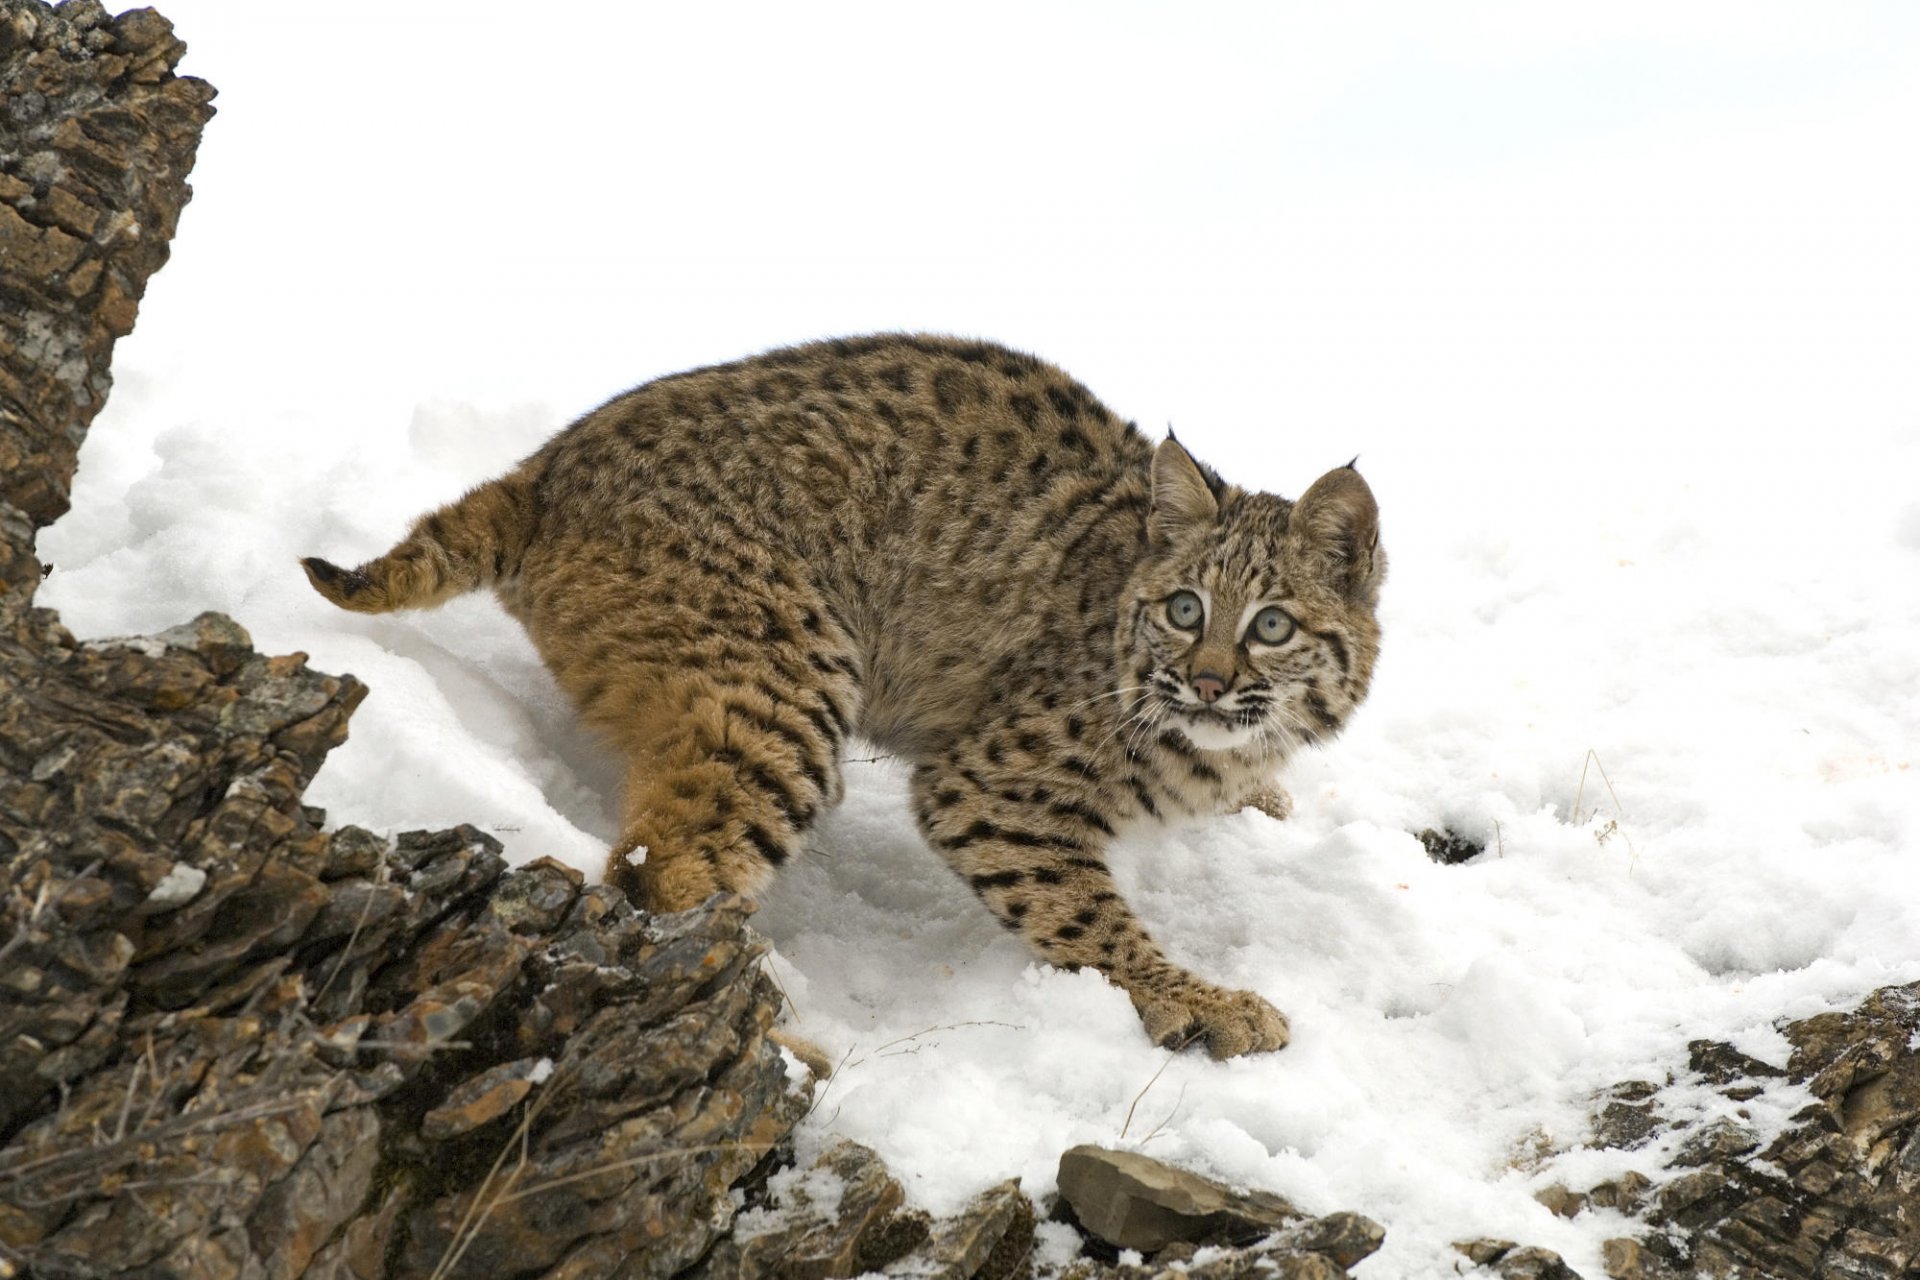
{"x":1250,"y":625}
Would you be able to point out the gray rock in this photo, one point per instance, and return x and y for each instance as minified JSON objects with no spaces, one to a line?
{"x":825,"y":1221}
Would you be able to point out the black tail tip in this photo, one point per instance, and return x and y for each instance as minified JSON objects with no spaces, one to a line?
{"x":331,"y":578}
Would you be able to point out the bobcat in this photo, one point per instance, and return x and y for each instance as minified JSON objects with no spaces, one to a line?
{"x":955,"y":551}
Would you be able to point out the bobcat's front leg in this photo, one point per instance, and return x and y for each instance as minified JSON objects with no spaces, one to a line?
{"x":1037,"y":865}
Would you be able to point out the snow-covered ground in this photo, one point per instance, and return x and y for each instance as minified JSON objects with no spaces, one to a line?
{"x":1621,"y":311}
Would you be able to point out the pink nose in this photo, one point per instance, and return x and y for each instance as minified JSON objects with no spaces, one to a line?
{"x":1209,"y":686}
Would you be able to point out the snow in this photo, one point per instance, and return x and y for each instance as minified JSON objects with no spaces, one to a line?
{"x":1618,"y":308}
{"x":176,"y":887}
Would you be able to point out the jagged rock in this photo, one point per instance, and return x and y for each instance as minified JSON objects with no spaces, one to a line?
{"x":1724,"y":1065}
{"x":1136,"y":1202}
{"x":1628,"y":1118}
{"x":987,"y":1240}
{"x":96,"y":137}
{"x":1837,"y":1194}
{"x":828,"y":1220}
{"x":1343,"y":1238}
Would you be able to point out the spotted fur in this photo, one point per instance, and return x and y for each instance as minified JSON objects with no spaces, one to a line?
{"x":955,"y":551}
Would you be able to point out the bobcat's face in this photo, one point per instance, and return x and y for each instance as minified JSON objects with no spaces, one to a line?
{"x":1249,"y":631}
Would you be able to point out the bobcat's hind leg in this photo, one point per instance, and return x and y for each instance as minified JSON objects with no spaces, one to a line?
{"x":728,"y":700}
{"x":719,"y":791}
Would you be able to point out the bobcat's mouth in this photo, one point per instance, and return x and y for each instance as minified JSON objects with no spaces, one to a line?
{"x":1213,"y":730}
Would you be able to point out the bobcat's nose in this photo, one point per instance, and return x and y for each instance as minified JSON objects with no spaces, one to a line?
{"x":1209,"y":686}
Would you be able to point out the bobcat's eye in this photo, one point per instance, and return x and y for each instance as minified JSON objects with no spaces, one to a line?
{"x":1271,"y":626}
{"x":1184,"y":610}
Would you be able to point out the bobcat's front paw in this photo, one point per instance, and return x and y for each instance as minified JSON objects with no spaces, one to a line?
{"x":1271,"y":800}
{"x":1230,"y":1022}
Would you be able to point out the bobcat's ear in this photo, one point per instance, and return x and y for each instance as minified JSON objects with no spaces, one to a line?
{"x":1335,"y":529}
{"x":1182,"y":499}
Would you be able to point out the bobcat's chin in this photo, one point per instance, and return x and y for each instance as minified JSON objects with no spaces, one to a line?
{"x":1211,"y":731}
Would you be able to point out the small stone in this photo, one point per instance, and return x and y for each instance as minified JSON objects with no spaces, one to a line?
{"x":1876,"y":1254}
{"x":1132,"y":1201}
{"x":1534,"y":1264}
{"x":1627,"y":1259}
{"x":223,"y":642}
{"x":1559,"y":1201}
{"x":1483,"y":1252}
{"x":1722,"y":1064}
{"x":996,"y":1224}
{"x":1624,"y":1194}
{"x":1448,"y":848}
{"x":1346,"y":1238}
{"x":353,"y":851}
{"x":1629,"y":1116}
{"x":1716,"y":1143}
{"x":1680,"y":1198}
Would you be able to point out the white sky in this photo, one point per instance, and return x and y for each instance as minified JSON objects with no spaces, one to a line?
{"x":1407,"y":230}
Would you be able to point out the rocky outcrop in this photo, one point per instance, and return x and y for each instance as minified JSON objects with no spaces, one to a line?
{"x":1836,"y":1195}
{"x":96,"y":137}
{"x":233,"y":1043}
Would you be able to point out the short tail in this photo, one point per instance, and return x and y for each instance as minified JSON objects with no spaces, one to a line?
{"x":462,"y":547}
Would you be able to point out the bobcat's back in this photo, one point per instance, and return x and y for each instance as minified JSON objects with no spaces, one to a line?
{"x":939,"y":504}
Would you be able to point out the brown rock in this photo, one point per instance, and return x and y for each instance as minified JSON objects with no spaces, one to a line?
{"x":1559,"y":1201}
{"x":1716,"y":1143}
{"x":1482,"y":1252}
{"x":1135,"y":1202}
{"x":1626,"y":1194}
{"x":986,"y":1240}
{"x":1343,"y":1238}
{"x":1627,"y":1259}
{"x":1533,"y":1264}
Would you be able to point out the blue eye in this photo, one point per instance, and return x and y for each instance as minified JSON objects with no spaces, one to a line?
{"x":1271,"y":626}
{"x":1184,"y":610}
